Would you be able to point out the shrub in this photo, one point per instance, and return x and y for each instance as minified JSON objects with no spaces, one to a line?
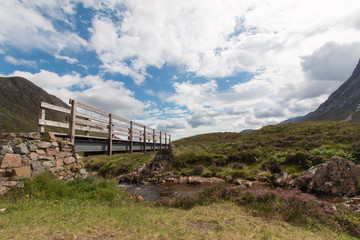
{"x":198,"y":169}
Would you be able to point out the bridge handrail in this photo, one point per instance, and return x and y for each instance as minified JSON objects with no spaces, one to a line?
{"x":111,"y":125}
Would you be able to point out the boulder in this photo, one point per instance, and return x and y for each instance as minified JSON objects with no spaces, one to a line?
{"x":336,"y":177}
{"x":32,"y":146}
{"x":23,"y":172}
{"x":11,"y":161}
{"x":6,"y":149}
{"x":21,"y":149}
{"x":242,"y":182}
{"x":280,"y":179}
{"x":45,"y":145}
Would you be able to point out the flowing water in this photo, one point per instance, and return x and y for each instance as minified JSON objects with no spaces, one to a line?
{"x":151,"y":192}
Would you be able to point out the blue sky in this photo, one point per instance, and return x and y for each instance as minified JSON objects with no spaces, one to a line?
{"x":185,"y":67}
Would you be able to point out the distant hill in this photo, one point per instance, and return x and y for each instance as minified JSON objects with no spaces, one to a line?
{"x":20,"y":104}
{"x":342,"y":104}
{"x":296,"y":119}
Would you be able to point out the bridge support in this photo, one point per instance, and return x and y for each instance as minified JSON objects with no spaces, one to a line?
{"x":72,"y":121}
{"x":110,"y":134}
{"x":131,"y":137}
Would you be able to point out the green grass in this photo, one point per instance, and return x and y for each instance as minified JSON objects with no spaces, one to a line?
{"x":95,"y":209}
{"x":117,"y":164}
{"x":294,"y":146}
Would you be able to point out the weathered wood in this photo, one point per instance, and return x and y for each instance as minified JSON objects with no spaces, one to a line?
{"x":53,"y":123}
{"x":120,"y":125}
{"x":138,"y":124}
{"x":160,"y":142}
{"x":120,"y":129}
{"x":93,"y":109}
{"x":89,"y":123}
{"x":144,"y":139}
{"x":90,"y":117}
{"x":121,"y":134}
{"x":110,"y":127}
{"x":72,"y":121}
{"x":131,"y":136}
{"x":54,"y":107}
{"x":90,"y":129}
{"x":42,"y":117}
{"x":110,"y":134}
{"x":121,"y":119}
{"x":153,"y":139}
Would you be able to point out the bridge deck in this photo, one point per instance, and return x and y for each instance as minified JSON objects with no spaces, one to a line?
{"x":94,"y":130}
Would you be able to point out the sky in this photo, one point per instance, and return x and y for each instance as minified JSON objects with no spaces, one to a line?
{"x":182,"y":66}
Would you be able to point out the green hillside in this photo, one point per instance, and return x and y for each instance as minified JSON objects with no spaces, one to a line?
{"x":292,"y":147}
{"x":20,"y":105}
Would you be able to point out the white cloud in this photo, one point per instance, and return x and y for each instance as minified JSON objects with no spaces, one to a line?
{"x":28,"y":25}
{"x":2,"y":51}
{"x":217,"y":38}
{"x":332,"y":61}
{"x":66,"y":58}
{"x":18,"y":62}
{"x":110,"y":96}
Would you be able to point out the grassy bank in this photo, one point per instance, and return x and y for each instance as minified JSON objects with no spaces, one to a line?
{"x":117,"y":164}
{"x":94,"y":209}
{"x":293,"y":148}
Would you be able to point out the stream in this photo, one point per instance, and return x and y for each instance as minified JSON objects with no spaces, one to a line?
{"x":150,"y":192}
{"x":154,"y":192}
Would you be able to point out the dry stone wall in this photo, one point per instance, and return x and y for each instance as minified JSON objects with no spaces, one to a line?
{"x":26,"y":155}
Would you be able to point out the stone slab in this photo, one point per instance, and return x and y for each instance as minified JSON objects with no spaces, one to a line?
{"x":23,"y":172}
{"x":11,"y":161}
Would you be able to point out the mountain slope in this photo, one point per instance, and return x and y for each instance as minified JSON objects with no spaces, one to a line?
{"x":342,"y":103}
{"x":20,"y":104}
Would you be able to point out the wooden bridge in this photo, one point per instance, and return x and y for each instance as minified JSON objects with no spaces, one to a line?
{"x":93,"y":130}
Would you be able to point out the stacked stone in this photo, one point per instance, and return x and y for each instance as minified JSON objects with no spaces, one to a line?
{"x":25,"y":155}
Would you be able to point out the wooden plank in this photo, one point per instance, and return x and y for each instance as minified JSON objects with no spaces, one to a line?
{"x":53,"y":123}
{"x":121,"y":125}
{"x":153,"y":136}
{"x":138,"y":124}
{"x":144,"y":139}
{"x":131,"y":137}
{"x":121,"y":119}
{"x":138,"y":135}
{"x":90,"y":129}
{"x":89,"y":123}
{"x":90,"y":117}
{"x":54,"y":107}
{"x":92,"y":109}
{"x":120,"y":129}
{"x":160,"y":142}
{"x":72,"y":121}
{"x":165,"y":141}
{"x":42,"y":117}
{"x":121,"y":134}
{"x":110,"y":134}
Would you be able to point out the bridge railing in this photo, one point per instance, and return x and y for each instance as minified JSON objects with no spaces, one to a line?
{"x":88,"y":121}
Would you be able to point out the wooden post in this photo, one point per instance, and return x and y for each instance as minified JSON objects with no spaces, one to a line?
{"x":42,"y":117}
{"x":72,"y":121}
{"x":160,"y":141}
{"x":165,"y":141}
{"x":169,"y":140}
{"x":87,"y":133}
{"x":131,"y":136}
{"x":153,"y":140}
{"x":144,"y":139}
{"x":110,"y":134}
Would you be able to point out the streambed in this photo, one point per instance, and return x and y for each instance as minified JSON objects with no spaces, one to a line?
{"x":151,"y":192}
{"x":154,"y":192}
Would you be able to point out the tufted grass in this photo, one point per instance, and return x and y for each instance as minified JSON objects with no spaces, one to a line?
{"x":96,"y":209}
